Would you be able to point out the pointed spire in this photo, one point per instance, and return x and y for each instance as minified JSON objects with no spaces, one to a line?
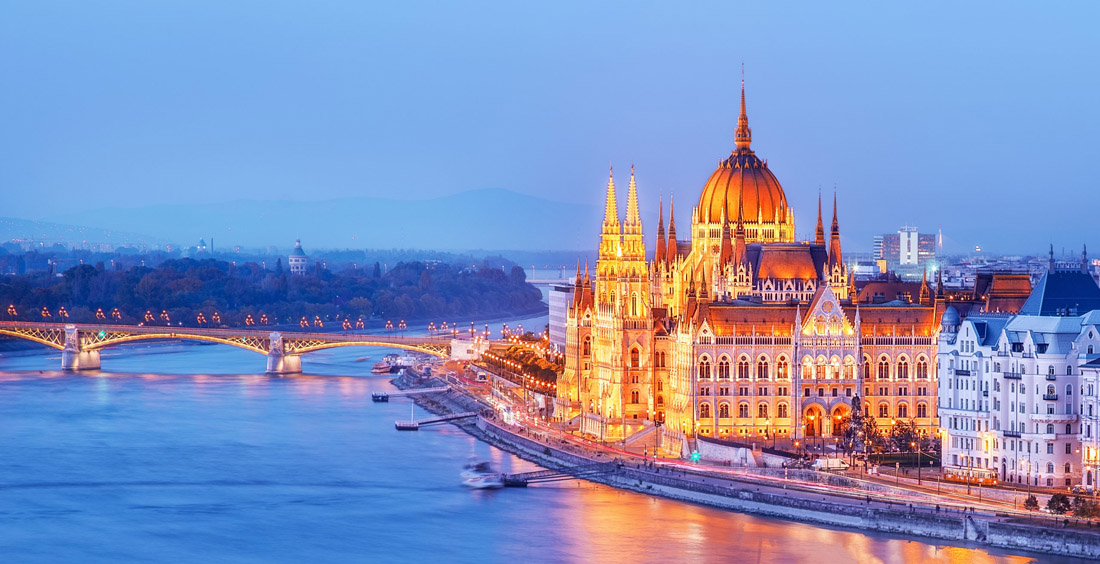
{"x":739,"y":235}
{"x":835,"y":257}
{"x":672,"y":250}
{"x":1084,"y":259}
{"x":743,"y":135}
{"x":703,"y":288}
{"x":632,"y":216}
{"x":611,"y":211}
{"x":725,"y":255}
{"x":587,"y":279}
{"x":939,"y":284}
{"x":819,"y":235}
{"x":659,"y":254}
{"x":925,"y":294}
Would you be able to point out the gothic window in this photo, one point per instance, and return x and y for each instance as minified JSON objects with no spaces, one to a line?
{"x":762,"y":368}
{"x":867,"y":368}
{"x":743,"y":367}
{"x":660,"y":400}
{"x":922,"y":368}
{"x":903,"y":369}
{"x":724,"y":368}
{"x":762,"y":410}
{"x":704,"y":368}
{"x":820,"y":375}
{"x":586,"y":348}
{"x":883,"y":410}
{"x":634,"y":396}
{"x":724,"y":410}
{"x":922,"y":410}
{"x":903,"y":411}
{"x":660,"y":386}
{"x":884,"y":368}
{"x":634,"y":358}
{"x":782,"y":411}
{"x":781,"y":368}
{"x":743,"y":410}
{"x":634,"y":304}
{"x":704,"y":411}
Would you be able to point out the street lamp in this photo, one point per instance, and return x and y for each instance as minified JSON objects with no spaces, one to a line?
{"x":914,"y":444}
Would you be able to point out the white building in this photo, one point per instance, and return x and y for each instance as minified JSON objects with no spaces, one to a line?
{"x":561,"y":297}
{"x":297,"y":259}
{"x":1011,"y":387}
{"x":1090,"y":414}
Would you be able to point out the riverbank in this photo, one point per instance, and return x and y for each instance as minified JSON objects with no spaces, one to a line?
{"x":803,"y":503}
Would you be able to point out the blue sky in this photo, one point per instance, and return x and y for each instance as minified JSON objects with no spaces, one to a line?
{"x":981,"y":119}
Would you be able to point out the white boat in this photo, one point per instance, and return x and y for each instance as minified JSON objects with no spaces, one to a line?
{"x":480,"y":475}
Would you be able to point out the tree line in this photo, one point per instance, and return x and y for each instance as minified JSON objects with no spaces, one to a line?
{"x":184,"y":288}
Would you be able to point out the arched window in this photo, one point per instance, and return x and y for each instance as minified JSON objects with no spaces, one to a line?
{"x":586,"y":349}
{"x":704,"y":368}
{"x":866,"y":368}
{"x":724,"y":410}
{"x":742,"y":410}
{"x":704,"y":411}
{"x":781,"y":412}
{"x":922,"y":368}
{"x":724,"y":368}
{"x":782,"y":368}
{"x":634,"y":304}
{"x":634,"y":396}
{"x":903,"y":411}
{"x":1068,"y":468}
{"x":1050,"y":390}
{"x":635,"y":359}
{"x":883,"y":410}
{"x":762,"y":410}
{"x":1069,"y":370}
{"x":922,"y":410}
{"x":1050,"y":428}
{"x":903,"y":369}
{"x":660,"y":386}
{"x":1050,"y":467}
{"x":883,"y":368}
{"x":762,"y":368}
{"x":660,"y":400}
{"x":743,"y":367}
{"x":660,"y":359}
{"x":1069,"y":429}
{"x":1050,"y":370}
{"x":1069,"y":390}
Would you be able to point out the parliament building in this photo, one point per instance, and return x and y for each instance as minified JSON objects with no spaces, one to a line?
{"x":739,"y":331}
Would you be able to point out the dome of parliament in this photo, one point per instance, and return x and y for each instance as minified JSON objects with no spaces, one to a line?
{"x":742,"y":182}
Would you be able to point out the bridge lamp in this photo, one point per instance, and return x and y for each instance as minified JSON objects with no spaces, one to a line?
{"x":102,"y":334}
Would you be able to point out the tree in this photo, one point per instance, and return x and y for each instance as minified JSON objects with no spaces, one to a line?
{"x":518,"y":276}
{"x":279,"y":266}
{"x":1031,"y":503}
{"x":377,"y":272}
{"x":1085,"y":508}
{"x":1059,"y":504}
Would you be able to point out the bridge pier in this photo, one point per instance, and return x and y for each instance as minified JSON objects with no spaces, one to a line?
{"x":284,"y":363}
{"x":72,"y":357}
{"x":79,"y":360}
{"x":278,"y":361}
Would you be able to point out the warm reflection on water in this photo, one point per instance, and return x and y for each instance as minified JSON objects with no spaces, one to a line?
{"x":151,"y":463}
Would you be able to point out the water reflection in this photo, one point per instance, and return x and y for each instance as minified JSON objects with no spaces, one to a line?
{"x":150,"y":462}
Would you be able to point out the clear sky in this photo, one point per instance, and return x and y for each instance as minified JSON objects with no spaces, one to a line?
{"x":981,"y":118}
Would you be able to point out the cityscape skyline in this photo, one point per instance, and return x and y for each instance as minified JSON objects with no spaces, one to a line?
{"x":341,"y":103}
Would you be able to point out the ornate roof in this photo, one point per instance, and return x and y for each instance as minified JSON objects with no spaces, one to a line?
{"x":742,"y":180}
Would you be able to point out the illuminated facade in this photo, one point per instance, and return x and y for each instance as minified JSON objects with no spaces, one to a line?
{"x":297,"y":259}
{"x":741,"y":332}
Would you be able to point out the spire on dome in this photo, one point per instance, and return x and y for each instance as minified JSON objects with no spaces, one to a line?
{"x":739,"y":235}
{"x":659,"y":254}
{"x":743,"y":135}
{"x":819,"y":236}
{"x":632,"y":215}
{"x":725,"y":256}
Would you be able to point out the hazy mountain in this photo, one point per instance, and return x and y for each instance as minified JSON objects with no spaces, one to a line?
{"x":61,"y":232}
{"x":480,"y":219}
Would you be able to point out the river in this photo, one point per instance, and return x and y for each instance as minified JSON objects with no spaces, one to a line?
{"x":188,"y":453}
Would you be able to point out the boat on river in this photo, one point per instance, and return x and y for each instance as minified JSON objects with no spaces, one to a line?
{"x":480,"y":475}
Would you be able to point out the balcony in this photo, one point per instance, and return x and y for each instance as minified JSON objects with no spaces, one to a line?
{"x":1012,"y":375}
{"x":1011,"y":434}
{"x":961,"y":372}
{"x":1050,"y":396}
{"x":1054,"y":417}
{"x":985,"y":393}
{"x":1052,"y":377}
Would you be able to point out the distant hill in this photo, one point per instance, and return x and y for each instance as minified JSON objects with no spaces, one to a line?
{"x":480,"y":219}
{"x":62,"y":232}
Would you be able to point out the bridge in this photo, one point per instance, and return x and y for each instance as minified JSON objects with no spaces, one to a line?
{"x":80,"y":344}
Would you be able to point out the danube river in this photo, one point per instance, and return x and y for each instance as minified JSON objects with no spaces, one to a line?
{"x":188,"y":453}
